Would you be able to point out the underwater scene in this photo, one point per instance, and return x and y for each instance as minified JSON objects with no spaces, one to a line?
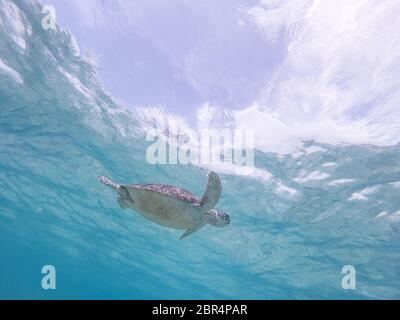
{"x":314,"y":213}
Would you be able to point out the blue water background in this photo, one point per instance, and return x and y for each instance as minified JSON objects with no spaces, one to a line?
{"x":55,"y":139}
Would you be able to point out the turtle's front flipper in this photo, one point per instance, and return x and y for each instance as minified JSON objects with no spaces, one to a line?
{"x":191,"y":230}
{"x":212,"y":192}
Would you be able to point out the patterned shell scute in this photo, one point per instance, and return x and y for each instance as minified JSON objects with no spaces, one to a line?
{"x":172,"y":191}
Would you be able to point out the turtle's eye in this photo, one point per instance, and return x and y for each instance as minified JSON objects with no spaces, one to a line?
{"x":226,"y":218}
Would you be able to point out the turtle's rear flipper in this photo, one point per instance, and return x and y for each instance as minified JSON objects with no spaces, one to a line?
{"x":191,"y":230}
{"x":122,"y":203}
{"x":108,"y":182}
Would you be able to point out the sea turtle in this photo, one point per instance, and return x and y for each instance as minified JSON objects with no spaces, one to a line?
{"x":171,"y":206}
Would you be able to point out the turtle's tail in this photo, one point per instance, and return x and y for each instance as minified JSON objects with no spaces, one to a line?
{"x":108,"y":182}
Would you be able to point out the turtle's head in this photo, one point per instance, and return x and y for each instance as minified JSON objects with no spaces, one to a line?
{"x":217,"y":218}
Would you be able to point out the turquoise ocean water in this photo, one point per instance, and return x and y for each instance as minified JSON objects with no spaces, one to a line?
{"x":59,"y":130}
